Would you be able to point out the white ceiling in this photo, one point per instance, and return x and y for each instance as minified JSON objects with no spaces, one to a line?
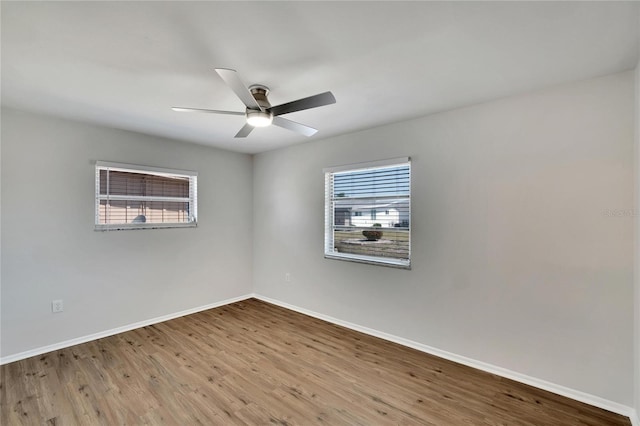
{"x":124,"y":64}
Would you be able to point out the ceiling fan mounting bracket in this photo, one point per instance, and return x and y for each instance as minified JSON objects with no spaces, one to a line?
{"x":259,"y":87}
{"x":260,"y":93}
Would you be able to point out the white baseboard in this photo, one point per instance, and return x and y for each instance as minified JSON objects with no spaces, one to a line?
{"x":72,"y":342}
{"x":499,"y":371}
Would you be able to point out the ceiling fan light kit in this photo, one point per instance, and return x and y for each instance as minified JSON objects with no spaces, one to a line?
{"x":259,"y":112}
{"x":259,"y":118}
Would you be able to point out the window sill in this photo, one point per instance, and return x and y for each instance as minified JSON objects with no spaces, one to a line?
{"x":370,"y":260}
{"x":138,"y":226}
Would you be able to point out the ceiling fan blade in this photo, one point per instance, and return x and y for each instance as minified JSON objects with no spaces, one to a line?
{"x":314,"y":101}
{"x":292,"y":125}
{"x":212,"y":111}
{"x":244,"y":132}
{"x":240,"y":89}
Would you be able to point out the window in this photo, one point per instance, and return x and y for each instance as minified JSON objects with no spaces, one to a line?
{"x":140,"y":197}
{"x":370,"y":188}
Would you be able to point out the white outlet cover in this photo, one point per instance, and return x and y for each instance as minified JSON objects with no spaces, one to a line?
{"x":57,"y":306}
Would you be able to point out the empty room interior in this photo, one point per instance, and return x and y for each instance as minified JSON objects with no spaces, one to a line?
{"x":296,"y":213}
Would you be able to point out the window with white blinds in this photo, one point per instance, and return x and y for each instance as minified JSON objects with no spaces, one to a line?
{"x":368,"y":212}
{"x":141,"y":197}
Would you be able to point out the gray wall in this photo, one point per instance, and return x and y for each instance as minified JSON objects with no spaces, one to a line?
{"x":110,"y":279}
{"x":519,"y":256}
{"x":637,"y":253}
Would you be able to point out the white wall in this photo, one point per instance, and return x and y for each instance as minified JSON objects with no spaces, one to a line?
{"x":637,"y":252}
{"x":515,"y":260}
{"x":110,"y":279}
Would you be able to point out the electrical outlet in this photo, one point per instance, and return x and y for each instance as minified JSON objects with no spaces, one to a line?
{"x":287,"y":277}
{"x":57,"y":306}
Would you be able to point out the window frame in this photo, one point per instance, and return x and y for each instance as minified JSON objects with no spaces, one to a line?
{"x":192,"y":199}
{"x":329,"y":216}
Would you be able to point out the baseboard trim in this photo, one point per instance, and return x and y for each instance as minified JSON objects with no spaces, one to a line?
{"x":72,"y":342}
{"x":499,"y":371}
{"x":489,"y":368}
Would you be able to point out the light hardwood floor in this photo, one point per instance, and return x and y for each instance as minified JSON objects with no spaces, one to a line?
{"x":255,"y":363}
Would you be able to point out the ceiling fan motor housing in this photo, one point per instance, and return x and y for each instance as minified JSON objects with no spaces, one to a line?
{"x":256,"y":117}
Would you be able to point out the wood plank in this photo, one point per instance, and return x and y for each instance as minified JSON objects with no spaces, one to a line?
{"x":256,"y":363}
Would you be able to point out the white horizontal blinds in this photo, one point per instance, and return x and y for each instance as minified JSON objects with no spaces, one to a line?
{"x":140,"y":198}
{"x":370,"y":212}
{"x":328,"y":213}
{"x":193,"y":199}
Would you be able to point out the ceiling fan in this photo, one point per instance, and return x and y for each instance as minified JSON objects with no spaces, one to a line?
{"x":259,"y":112}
